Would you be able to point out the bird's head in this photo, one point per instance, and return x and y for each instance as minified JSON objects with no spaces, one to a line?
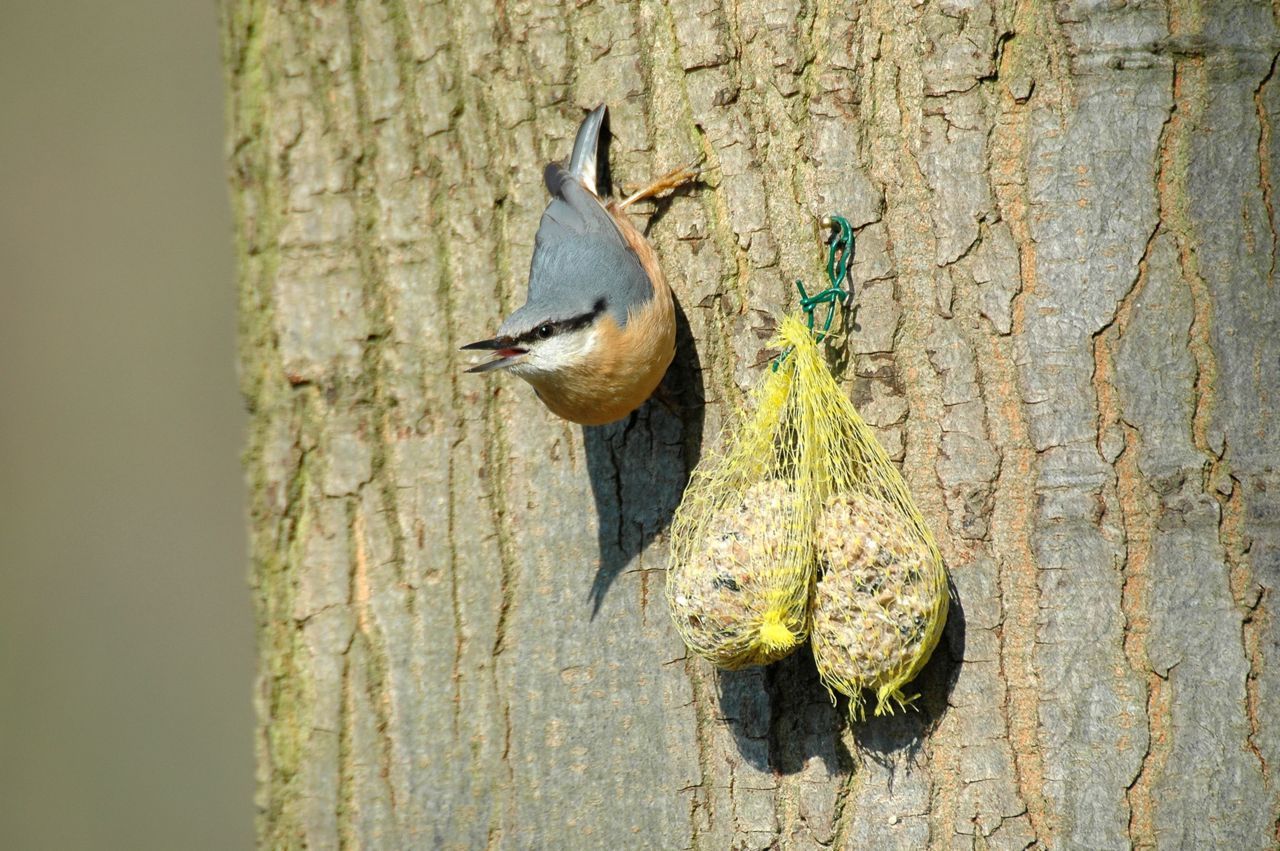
{"x":537,"y":344}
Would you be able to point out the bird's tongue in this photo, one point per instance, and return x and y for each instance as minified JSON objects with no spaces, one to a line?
{"x":509,"y":353}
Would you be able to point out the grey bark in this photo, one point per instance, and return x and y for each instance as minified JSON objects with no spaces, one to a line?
{"x":1068,"y":333}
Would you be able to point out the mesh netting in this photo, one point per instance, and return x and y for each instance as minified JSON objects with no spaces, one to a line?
{"x":802,"y":524}
{"x":741,"y":549}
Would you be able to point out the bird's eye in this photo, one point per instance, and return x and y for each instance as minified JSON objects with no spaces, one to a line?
{"x":545,"y":331}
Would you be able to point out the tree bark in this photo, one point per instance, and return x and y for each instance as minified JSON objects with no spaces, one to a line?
{"x":1068,"y":331}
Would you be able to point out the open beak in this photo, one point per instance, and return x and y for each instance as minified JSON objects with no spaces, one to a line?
{"x":505,"y":354}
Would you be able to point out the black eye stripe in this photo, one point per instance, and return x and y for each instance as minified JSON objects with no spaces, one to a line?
{"x":560,"y":326}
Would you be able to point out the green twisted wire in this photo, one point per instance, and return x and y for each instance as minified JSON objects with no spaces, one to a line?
{"x":839,"y":256}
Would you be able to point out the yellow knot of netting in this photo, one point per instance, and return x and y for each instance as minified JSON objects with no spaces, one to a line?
{"x":775,"y":635}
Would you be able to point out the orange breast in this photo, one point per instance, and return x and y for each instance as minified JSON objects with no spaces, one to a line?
{"x":627,"y":364}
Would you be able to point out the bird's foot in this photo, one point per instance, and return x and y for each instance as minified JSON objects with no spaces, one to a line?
{"x":671,"y":180}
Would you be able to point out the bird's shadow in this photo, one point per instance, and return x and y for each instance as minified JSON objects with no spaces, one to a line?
{"x":781,"y":715}
{"x":639,"y":466}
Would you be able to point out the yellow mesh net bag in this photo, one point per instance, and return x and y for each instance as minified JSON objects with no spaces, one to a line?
{"x":880,"y":600}
{"x":801,"y":525}
{"x":742,"y":562}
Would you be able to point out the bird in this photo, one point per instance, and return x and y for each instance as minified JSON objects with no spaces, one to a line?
{"x":598,"y":329}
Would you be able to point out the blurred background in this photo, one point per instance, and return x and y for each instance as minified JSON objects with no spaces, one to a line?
{"x":126,"y":633}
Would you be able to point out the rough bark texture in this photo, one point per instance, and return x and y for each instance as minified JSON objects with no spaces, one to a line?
{"x":1068,"y":332}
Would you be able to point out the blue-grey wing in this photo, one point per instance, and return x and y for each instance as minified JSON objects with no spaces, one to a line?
{"x":580,"y":256}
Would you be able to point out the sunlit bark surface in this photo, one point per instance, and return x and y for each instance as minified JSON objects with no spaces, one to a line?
{"x":1068,"y":332}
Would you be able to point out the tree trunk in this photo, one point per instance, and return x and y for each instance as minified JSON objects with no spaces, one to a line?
{"x":1068,"y":332}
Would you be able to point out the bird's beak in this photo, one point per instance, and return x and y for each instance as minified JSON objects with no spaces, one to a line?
{"x":505,"y":353}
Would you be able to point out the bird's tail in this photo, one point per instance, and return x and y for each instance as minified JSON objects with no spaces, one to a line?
{"x":584,"y":160}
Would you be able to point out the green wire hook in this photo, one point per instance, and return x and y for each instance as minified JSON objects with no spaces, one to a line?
{"x":839,"y":256}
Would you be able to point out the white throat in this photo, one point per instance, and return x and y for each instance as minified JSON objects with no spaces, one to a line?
{"x":546,"y":357}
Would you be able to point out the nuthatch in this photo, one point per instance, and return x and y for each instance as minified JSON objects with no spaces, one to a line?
{"x":598,"y":330}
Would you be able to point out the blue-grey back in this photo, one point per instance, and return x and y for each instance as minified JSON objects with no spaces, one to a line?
{"x":579,"y":258}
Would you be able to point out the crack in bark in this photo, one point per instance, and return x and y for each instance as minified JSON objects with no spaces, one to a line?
{"x":1017,"y":585}
{"x":1136,"y":512}
{"x":1264,"y":164}
{"x":370,"y":251}
{"x":1188,"y":74}
{"x":1135,"y":505}
{"x":1236,"y":549}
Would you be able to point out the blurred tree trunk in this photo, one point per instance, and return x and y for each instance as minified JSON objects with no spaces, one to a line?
{"x":1068,"y":331}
